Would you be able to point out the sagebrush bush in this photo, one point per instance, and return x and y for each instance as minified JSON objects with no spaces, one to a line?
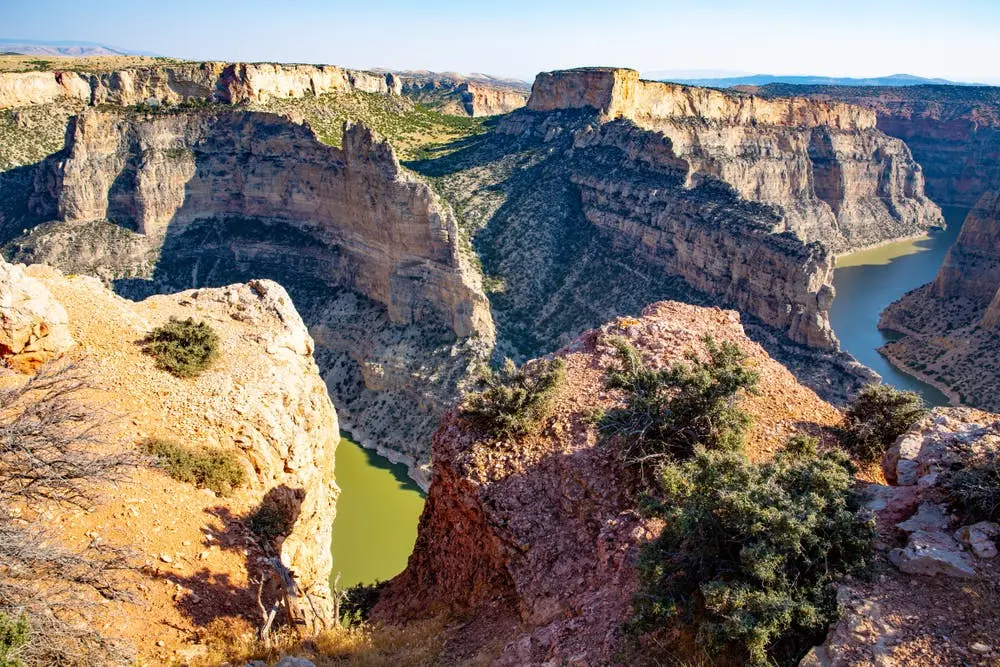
{"x":512,"y":400}
{"x":973,"y":487}
{"x":270,"y":521}
{"x":182,"y":347}
{"x":14,"y":636}
{"x":668,"y":412}
{"x":205,"y":467}
{"x":876,"y":417}
{"x":749,"y":553}
{"x":358,"y":602}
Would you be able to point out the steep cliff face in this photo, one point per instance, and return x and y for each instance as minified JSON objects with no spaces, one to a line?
{"x":473,"y":95}
{"x":953,"y":131}
{"x":262,"y":400}
{"x":229,"y":83}
{"x":545,"y":558}
{"x":951,"y":326}
{"x":833,"y":175}
{"x":368,"y":251}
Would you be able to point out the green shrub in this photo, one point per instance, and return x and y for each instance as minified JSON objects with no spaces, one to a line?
{"x":182,"y":347}
{"x":358,"y":602}
{"x":749,"y":554}
{"x":973,"y":488}
{"x":14,"y":635}
{"x":668,"y":412}
{"x":205,"y":467}
{"x":270,"y":521}
{"x":513,"y":400}
{"x":878,"y":416}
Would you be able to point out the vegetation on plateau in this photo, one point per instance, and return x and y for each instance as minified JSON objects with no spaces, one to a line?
{"x":668,"y":412}
{"x":184,"y":348}
{"x":205,"y":467}
{"x":750,"y":553}
{"x":50,"y":458}
{"x":880,"y":414}
{"x":746,"y":563}
{"x":973,"y":486}
{"x":512,"y":400}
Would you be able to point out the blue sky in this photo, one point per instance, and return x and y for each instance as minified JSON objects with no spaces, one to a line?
{"x":958,"y":40}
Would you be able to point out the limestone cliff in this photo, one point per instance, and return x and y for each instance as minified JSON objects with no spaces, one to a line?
{"x":368,"y":251}
{"x":951,"y":326}
{"x":262,"y":399}
{"x":456,"y":94}
{"x":544,"y":559}
{"x":229,"y":83}
{"x":834,"y":177}
{"x":953,"y":131}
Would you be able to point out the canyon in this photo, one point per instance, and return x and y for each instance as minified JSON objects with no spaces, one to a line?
{"x":951,"y":327}
{"x":693,"y":194}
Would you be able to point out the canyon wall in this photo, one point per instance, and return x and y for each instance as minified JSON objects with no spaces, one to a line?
{"x":229,"y":83}
{"x":834,"y":176}
{"x":162,"y":174}
{"x":951,"y":326}
{"x":457,"y":94}
{"x":369,"y":253}
{"x":953,"y":131}
{"x":545,"y":558}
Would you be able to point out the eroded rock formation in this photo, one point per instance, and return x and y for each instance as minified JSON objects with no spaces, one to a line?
{"x":262,"y":399}
{"x":370,"y":254}
{"x":833,"y":175}
{"x":951,"y":326}
{"x":953,"y":131}
{"x":33,"y":325}
{"x":545,"y":556}
{"x":464,"y":95}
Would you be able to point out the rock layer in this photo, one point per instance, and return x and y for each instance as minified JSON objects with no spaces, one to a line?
{"x":545,"y":557}
{"x":33,"y":325}
{"x":953,"y":131}
{"x":951,"y":326}
{"x":834,"y":176}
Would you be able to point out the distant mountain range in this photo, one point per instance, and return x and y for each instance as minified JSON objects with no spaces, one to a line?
{"x":802,"y":80}
{"x":36,"y":47}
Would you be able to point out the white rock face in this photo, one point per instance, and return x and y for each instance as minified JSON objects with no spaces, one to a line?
{"x":33,"y":325}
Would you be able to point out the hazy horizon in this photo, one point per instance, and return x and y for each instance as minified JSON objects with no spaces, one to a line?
{"x":518,"y":39}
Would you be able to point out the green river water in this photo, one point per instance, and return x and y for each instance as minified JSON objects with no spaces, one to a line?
{"x":377,"y":514}
{"x":378,"y":508}
{"x":870,"y":280}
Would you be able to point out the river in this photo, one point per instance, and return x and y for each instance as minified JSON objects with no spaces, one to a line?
{"x":870,"y":280}
{"x":377,"y":514}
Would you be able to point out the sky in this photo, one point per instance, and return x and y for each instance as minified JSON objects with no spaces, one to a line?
{"x":952,"y":39}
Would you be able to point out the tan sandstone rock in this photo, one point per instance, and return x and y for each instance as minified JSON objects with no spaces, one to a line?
{"x":33,"y":325}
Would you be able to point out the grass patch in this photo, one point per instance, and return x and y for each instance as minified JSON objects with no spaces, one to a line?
{"x":184,"y":348}
{"x":205,"y":467}
{"x":513,"y":400}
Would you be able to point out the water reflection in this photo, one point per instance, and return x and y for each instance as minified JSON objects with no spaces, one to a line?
{"x":869,"y":281}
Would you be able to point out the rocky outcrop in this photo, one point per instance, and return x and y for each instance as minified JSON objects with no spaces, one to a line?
{"x":953,"y":131}
{"x":228,"y":83}
{"x":262,"y":399}
{"x":33,"y":325}
{"x":536,"y":538}
{"x":926,"y":604}
{"x":951,"y":326}
{"x":163,"y":175}
{"x":833,"y":175}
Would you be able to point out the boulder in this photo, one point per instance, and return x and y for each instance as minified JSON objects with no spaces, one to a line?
{"x":34,"y":327}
